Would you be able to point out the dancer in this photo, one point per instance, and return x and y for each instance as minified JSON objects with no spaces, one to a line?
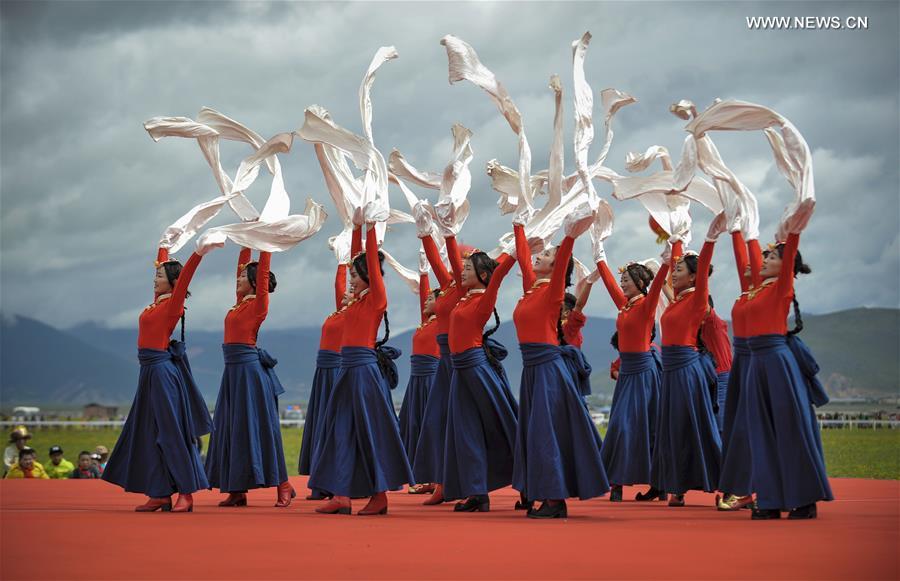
{"x":155,"y":454}
{"x":328,"y":363}
{"x":687,"y":452}
{"x":556,"y":455}
{"x":423,"y":366}
{"x":788,"y":472}
{"x":361,"y":453}
{"x":245,"y":448}
{"x":633,"y":420}
{"x":714,"y":335}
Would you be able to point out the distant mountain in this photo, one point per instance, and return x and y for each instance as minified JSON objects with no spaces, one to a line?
{"x":857,"y":350}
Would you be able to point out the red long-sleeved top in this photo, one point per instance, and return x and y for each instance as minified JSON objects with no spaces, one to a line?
{"x":157,"y":321}
{"x":474,"y":309}
{"x":537,"y":313}
{"x":636,"y":317}
{"x":744,"y":255}
{"x":681,"y":320}
{"x":333,"y":327}
{"x":769,"y":304}
{"x":572,"y":326}
{"x":450,"y":283}
{"x":714,"y":333}
{"x":244,"y":319}
{"x":425,"y":337}
{"x":363,"y":317}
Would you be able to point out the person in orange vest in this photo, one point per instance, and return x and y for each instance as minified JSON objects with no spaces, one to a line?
{"x":27,"y":466}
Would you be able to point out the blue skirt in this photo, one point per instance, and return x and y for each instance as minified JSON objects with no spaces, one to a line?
{"x":328,"y":363}
{"x":628,"y":448}
{"x":788,"y":463}
{"x":556,"y":454}
{"x":412,"y":411}
{"x":721,"y":391}
{"x":687,"y":454}
{"x":156,"y":453}
{"x":245,"y":449}
{"x":481,"y":428}
{"x":360,"y":453}
{"x":737,"y":462}
{"x":428,"y":461}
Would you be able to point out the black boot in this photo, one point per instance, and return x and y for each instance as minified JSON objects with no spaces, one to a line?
{"x":477,"y":503}
{"x":524,"y":504}
{"x":615,"y":493}
{"x":548,"y":510}
{"x":652,"y":494}
{"x":803,"y":512}
{"x":757,"y":513}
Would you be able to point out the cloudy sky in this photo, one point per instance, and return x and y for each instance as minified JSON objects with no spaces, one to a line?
{"x":86,"y":193}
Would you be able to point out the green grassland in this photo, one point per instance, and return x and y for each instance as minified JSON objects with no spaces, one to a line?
{"x":848,"y":453}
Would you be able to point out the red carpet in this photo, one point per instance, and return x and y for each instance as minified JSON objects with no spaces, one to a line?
{"x":87,"y":530}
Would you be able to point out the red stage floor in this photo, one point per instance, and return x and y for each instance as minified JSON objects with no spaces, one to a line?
{"x":87,"y":530}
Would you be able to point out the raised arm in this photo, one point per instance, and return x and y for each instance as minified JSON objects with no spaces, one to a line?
{"x":755,"y":261}
{"x":424,"y":289}
{"x":434,"y":259}
{"x":243,"y":259}
{"x":659,"y":281}
{"x":584,"y":294}
{"x":340,"y":285}
{"x":701,"y":283}
{"x":179,"y":293}
{"x":785,"y":282}
{"x":523,"y":256}
{"x":162,"y":255}
{"x":376,"y":281}
{"x":261,"y":304}
{"x":356,"y":242}
{"x":741,"y":259}
{"x":612,"y":287}
{"x":677,"y":253}
{"x":456,"y":263}
{"x":487,"y":303}
{"x":560,"y":265}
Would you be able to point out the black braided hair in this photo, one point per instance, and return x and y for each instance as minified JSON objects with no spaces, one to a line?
{"x":387,"y":332}
{"x":251,"y":276}
{"x":800,"y":267}
{"x":560,"y":335}
{"x":570,"y":268}
{"x":484,"y":266}
{"x":614,"y":340}
{"x":172,"y":269}
{"x":362,"y":267}
{"x":798,"y":320}
{"x":692,"y":260}
{"x":490,"y":356}
{"x":641,"y":276}
{"x":570,"y":300}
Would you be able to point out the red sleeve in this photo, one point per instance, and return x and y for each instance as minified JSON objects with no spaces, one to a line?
{"x":162,"y":255}
{"x":755,"y":261}
{"x":434,"y":259}
{"x":261,"y":303}
{"x":785,"y":282}
{"x":701,"y":283}
{"x":523,"y":257}
{"x":243,"y":258}
{"x":741,"y":259}
{"x":560,"y":265}
{"x":612,"y":287}
{"x":456,"y":263}
{"x":677,"y":252}
{"x":489,"y":300}
{"x":340,"y":285}
{"x":179,"y":293}
{"x":424,"y":289}
{"x":356,"y":242}
{"x":376,"y":281}
{"x":659,"y":280}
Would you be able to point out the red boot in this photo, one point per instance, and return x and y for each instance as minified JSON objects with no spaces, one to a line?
{"x":285,"y":494}
{"x":437,"y":497}
{"x":377,"y":505}
{"x":235,"y":499}
{"x":153,"y":504}
{"x":337,"y":505}
{"x":185,"y":503}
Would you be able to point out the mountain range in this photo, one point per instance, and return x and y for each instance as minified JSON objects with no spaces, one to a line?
{"x":41,"y":365}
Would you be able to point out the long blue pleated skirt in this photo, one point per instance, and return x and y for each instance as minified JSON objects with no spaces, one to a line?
{"x":481,"y":428}
{"x":788,"y":463}
{"x":721,"y":392}
{"x":361,"y":453}
{"x":245,"y":449}
{"x":428,"y":461}
{"x":628,"y":447}
{"x":737,"y":463}
{"x":687,"y":454}
{"x":156,"y":453}
{"x":556,"y":454}
{"x":412,"y":410}
{"x":328,"y":363}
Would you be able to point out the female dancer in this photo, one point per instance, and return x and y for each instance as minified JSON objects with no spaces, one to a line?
{"x":714,"y":334}
{"x":633,"y":419}
{"x":328,"y":362}
{"x":245,"y":449}
{"x":361,"y":453}
{"x":687,"y":453}
{"x":788,"y":464}
{"x":481,"y":415}
{"x":155,"y":453}
{"x":428,"y":463}
{"x":556,"y":456}
{"x":423,"y":366}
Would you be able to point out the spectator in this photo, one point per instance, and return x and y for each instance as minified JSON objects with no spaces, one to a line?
{"x":18,"y":441}
{"x":27,"y":467}
{"x":86,"y":467}
{"x":59,"y":467}
{"x":103,"y":452}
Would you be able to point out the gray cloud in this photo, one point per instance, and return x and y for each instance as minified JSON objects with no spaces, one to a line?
{"x":78,"y":79}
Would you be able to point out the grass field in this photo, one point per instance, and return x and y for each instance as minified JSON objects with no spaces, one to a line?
{"x":848,"y":453}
